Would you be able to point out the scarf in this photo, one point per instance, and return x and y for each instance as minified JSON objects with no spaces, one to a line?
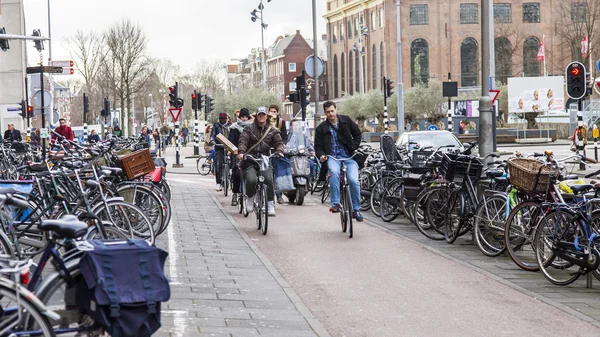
{"x":240,"y":125}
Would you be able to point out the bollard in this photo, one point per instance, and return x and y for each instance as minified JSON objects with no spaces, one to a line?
{"x":595,"y":134}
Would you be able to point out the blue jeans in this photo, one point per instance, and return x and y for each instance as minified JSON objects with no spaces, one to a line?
{"x":334,"y":182}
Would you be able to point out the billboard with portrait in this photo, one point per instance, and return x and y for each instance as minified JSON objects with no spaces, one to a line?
{"x":536,"y":94}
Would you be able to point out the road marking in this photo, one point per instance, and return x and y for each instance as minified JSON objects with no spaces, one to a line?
{"x":172,"y":253}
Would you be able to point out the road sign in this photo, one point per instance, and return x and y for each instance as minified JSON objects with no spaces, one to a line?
{"x":175,"y":112}
{"x":49,"y":70}
{"x":68,"y":64}
{"x":37,"y":99}
{"x":44,"y":133}
{"x":432,"y":128}
{"x":496,"y":93}
{"x":309,"y":66}
{"x":598,"y":65}
{"x":66,"y":71}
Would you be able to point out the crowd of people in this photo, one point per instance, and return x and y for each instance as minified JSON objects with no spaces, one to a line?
{"x":266,"y":133}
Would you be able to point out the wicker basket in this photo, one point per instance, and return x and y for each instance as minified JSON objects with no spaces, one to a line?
{"x":137,"y":164}
{"x":530,"y":175}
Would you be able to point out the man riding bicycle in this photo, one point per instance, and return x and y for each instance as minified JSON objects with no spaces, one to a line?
{"x":339,"y":137}
{"x":258,"y":139}
{"x":220,"y":127}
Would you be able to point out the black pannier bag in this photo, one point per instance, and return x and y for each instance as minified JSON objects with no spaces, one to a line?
{"x":122,"y":286}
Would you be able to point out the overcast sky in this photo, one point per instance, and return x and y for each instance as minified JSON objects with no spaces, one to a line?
{"x":184,"y":31}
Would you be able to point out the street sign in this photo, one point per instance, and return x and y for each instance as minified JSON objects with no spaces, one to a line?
{"x":432,"y":128}
{"x":175,"y":112}
{"x":68,"y":64}
{"x":44,"y":133}
{"x":496,"y":93}
{"x":49,"y":70}
{"x":309,"y":66}
{"x":598,"y":65}
{"x":37,"y":99}
{"x":66,"y":71}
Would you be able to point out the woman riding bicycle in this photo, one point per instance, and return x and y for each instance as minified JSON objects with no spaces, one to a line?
{"x":258,"y":139}
{"x":235,"y":131}
{"x":339,"y":137}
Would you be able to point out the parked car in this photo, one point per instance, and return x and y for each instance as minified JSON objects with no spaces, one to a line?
{"x":416,"y":140}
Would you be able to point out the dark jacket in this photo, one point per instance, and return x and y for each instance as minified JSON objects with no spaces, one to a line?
{"x":253,"y":133}
{"x":348,"y":133}
{"x":283,"y":129}
{"x":217,"y":129}
{"x":94,"y":138}
{"x":15,"y":135}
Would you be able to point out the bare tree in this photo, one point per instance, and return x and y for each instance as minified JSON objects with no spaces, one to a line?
{"x":577,"y":19}
{"x":508,"y":45}
{"x":209,"y":77}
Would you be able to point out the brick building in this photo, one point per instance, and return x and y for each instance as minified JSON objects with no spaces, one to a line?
{"x":438,"y":37}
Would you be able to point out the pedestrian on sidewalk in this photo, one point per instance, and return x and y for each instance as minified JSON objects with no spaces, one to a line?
{"x":235,"y":131}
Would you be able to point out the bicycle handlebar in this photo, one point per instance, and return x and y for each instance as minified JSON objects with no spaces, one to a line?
{"x":342,"y":159}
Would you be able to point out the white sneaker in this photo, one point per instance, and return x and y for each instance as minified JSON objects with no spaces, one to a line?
{"x":271,"y":208}
{"x":219,"y":188}
{"x":250,"y":204}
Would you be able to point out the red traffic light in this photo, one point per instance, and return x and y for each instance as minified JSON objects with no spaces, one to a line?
{"x":29,"y":108}
{"x":575,"y":71}
{"x":193,"y":96}
{"x":172,"y":89}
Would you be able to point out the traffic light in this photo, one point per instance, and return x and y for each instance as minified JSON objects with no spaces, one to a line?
{"x":86,"y":104}
{"x":194,"y":101}
{"x":173,"y":95}
{"x":293,"y":97}
{"x":576,"y":80}
{"x":200,"y":101}
{"x":106,"y":111}
{"x":389,"y":87}
{"x":29,"y":111}
{"x":39,"y":45}
{"x":210,"y":107}
{"x":3,"y":42}
{"x":23,"y":106}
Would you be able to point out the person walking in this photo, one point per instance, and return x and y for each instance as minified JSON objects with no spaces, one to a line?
{"x":339,"y":137}
{"x":12,"y":134}
{"x":235,"y":131}
{"x":258,"y":139}
{"x":220,"y":127}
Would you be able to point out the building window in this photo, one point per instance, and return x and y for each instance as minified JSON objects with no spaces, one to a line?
{"x":502,"y":13}
{"x":292,"y":86}
{"x":335,"y":77}
{"x":503,"y":51}
{"x":381,"y":61}
{"x":292,"y":67}
{"x":350,"y":29}
{"x":343,"y":71}
{"x":374,"y":66}
{"x":419,"y":15}
{"x":350,"y":74}
{"x":531,"y":65}
{"x":341,"y":32}
{"x":373,"y":22}
{"x":419,"y":62}
{"x":381,"y":18}
{"x":334,"y":33}
{"x":357,"y":67}
{"x":355,"y":27}
{"x":531,"y":12}
{"x":469,"y":13}
{"x":578,"y":10}
{"x":469,"y":62}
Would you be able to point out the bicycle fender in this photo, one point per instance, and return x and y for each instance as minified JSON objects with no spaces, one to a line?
{"x":113,"y":199}
{"x":22,"y":291}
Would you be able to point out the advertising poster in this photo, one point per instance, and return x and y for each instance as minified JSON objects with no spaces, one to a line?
{"x":536,"y":94}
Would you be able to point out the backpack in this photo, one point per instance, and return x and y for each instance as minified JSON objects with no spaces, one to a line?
{"x":122,"y":286}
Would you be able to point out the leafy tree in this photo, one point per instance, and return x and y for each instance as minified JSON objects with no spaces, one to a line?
{"x":250,"y":98}
{"x":424,"y":101}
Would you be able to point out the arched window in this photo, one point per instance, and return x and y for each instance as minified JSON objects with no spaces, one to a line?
{"x":356,"y":72}
{"x":531,"y":66}
{"x":374,"y":62}
{"x":335,"y":77}
{"x":419,"y":62}
{"x":469,"y":62}
{"x":343,"y":78}
{"x":503,"y":52}
{"x":381,"y":61}
{"x":350,"y":29}
{"x":350,"y":74}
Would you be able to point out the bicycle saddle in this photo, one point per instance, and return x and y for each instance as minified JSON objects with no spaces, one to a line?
{"x":68,"y":227}
{"x":581,"y":188}
{"x":563,"y":177}
{"x":494,"y":173}
{"x":114,"y":170}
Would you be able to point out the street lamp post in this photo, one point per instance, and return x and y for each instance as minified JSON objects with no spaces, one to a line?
{"x":258,"y":14}
{"x":358,"y":47}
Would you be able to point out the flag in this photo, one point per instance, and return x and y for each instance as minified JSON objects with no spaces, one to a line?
{"x":584,"y":47}
{"x":542,"y":52}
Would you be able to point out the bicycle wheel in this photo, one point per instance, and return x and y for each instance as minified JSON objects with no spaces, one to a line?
{"x":112,"y":233}
{"x":203,"y":165}
{"x":265,"y":214}
{"x":489,"y":225}
{"x":366,"y":180}
{"x":325,"y":191}
{"x":348,"y":209}
{"x":519,"y":232}
{"x":258,"y":207}
{"x":143,"y":197}
{"x":128,"y":218}
{"x":375,"y":197}
{"x":391,"y":201}
{"x":557,"y":229}
{"x":225,"y":176}
{"x":454,"y":216}
{"x":21,"y":315}
{"x":429,"y":211}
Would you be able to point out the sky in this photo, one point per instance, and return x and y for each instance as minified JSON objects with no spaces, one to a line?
{"x":184,"y":31}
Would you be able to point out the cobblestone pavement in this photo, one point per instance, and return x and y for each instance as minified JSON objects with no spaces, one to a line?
{"x":575,"y":298}
{"x":221,"y":284}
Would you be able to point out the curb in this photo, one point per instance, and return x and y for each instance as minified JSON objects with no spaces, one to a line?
{"x":496,"y":278}
{"x":312,"y":321}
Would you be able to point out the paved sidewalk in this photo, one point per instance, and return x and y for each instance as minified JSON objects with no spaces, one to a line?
{"x":221,"y":284}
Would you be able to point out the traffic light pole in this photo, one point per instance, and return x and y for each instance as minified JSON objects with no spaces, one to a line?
{"x":85,"y":126}
{"x":28,"y":115}
{"x":43,"y":110}
{"x":385,"y":109}
{"x":196,"y":131}
{"x":580,"y":143}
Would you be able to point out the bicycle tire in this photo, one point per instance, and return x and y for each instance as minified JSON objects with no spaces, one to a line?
{"x":519,"y":232}
{"x":31,"y":318}
{"x":202,"y":165}
{"x":325,"y":193}
{"x":426,"y":222}
{"x":406,"y":206}
{"x":375,"y":197}
{"x":152,"y":205}
{"x":348,"y":209}
{"x":488,"y":232}
{"x":452,"y":229}
{"x":225,"y":177}
{"x":138,"y":226}
{"x":265,"y":221}
{"x":391,"y":193}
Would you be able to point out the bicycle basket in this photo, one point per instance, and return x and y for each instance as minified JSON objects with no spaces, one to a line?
{"x":419,"y":161}
{"x":388,"y":149}
{"x":530,"y":175}
{"x":454,"y":167}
